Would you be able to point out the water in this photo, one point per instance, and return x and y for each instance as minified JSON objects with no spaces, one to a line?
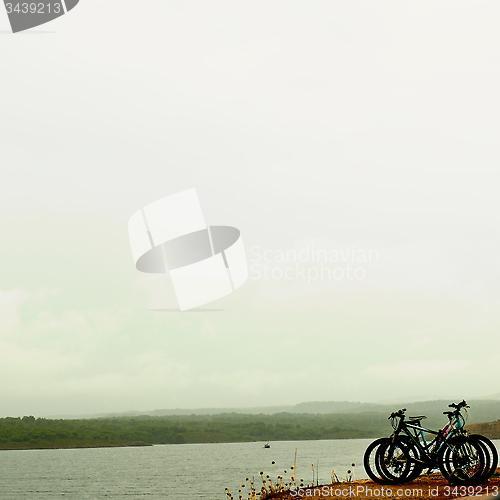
{"x":175,"y":472}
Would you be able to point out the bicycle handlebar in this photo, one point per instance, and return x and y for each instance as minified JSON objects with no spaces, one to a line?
{"x":459,"y":406}
{"x":399,"y":413}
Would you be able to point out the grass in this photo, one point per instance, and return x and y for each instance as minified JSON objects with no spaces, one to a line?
{"x":282,"y":484}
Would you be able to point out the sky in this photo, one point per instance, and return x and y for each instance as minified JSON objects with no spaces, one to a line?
{"x":354,"y":144}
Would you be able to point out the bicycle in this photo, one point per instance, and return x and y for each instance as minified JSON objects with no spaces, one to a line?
{"x":403,"y":456}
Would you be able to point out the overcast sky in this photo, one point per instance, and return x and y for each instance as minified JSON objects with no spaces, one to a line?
{"x":364,"y":131}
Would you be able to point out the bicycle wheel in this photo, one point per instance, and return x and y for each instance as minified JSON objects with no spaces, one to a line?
{"x":369,"y":461}
{"x":491,"y":455}
{"x":415,"y":457}
{"x":393,"y":462}
{"x":462,"y":461}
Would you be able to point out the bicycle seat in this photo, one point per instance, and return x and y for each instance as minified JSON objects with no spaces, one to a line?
{"x":417,"y":419}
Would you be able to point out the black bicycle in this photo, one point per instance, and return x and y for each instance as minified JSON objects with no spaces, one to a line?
{"x":461,"y":458}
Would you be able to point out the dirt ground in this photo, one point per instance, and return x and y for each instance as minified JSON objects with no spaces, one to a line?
{"x":433,"y":487}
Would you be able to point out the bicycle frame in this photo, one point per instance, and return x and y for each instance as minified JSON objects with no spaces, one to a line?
{"x":429,"y":451}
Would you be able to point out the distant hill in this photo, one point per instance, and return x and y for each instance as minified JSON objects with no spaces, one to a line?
{"x":487,"y":410}
{"x":490,"y":430}
{"x":480,"y":411}
{"x":335,"y":407}
{"x":28,"y":432}
{"x":311,"y":420}
{"x":255,"y":410}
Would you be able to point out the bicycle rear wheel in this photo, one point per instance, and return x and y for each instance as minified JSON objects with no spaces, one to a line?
{"x":491,"y":455}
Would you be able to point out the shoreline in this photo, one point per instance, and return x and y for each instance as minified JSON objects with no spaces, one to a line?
{"x":87,"y":446}
{"x":143,"y":443}
{"x":432,"y":487}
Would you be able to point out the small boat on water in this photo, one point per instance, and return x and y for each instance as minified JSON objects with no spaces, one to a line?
{"x":267,"y":445}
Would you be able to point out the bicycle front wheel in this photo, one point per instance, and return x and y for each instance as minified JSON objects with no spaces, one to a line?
{"x":393,"y":461}
{"x":462,"y":461}
{"x":369,"y":461}
{"x":415,"y":457}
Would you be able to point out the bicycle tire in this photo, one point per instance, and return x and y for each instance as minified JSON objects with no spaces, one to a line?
{"x":490,"y":452}
{"x":416,"y":458}
{"x":369,"y":461}
{"x":462,"y":461}
{"x":393,"y":462}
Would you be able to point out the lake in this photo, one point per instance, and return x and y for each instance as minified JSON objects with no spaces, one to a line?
{"x":183,"y":471}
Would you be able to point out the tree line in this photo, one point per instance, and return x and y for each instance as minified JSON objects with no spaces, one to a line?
{"x":30,"y":432}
